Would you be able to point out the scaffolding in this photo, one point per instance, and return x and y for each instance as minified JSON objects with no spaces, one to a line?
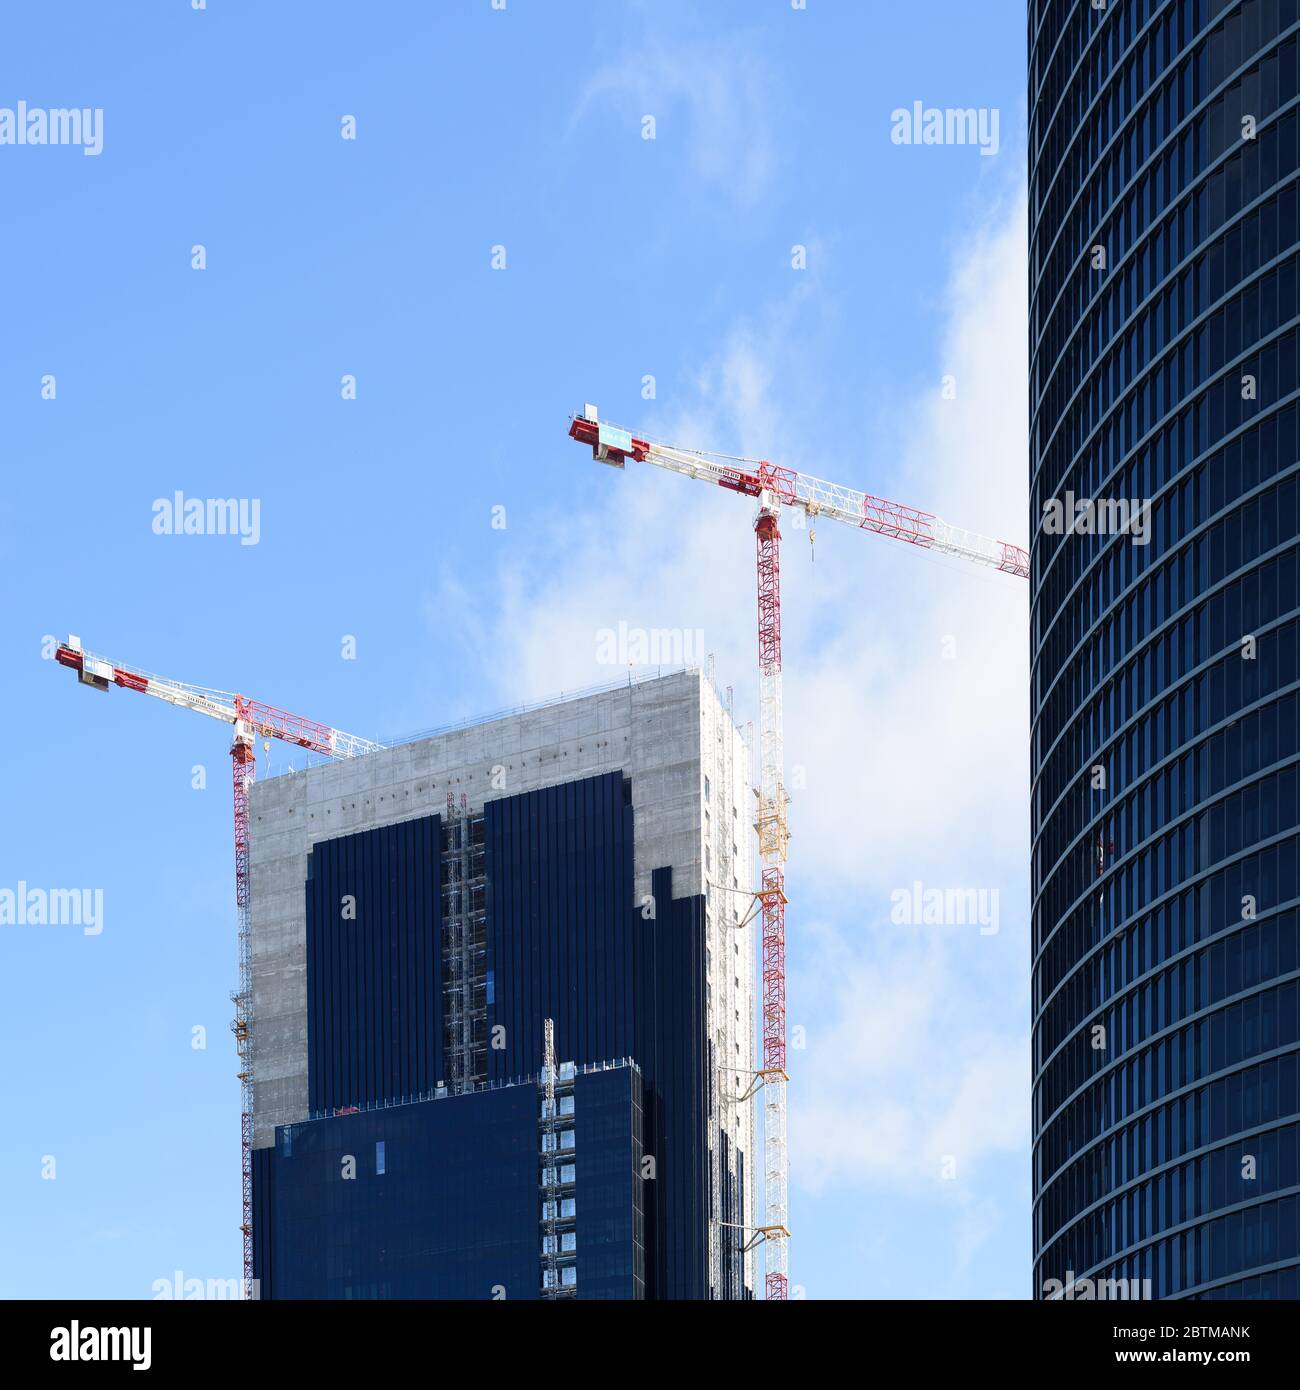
{"x":557,"y":1139}
{"x":464,"y":948}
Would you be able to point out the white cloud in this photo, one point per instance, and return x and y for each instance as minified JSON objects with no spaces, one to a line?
{"x":925,"y":1051}
{"x":713,"y":97}
{"x":977,"y":1219}
{"x":907,"y":1068}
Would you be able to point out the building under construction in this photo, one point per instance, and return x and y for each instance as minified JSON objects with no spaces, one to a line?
{"x":502,"y":1014}
{"x":514,"y":906}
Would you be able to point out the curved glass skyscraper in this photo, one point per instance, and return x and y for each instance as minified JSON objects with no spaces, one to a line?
{"x":1164,"y":144}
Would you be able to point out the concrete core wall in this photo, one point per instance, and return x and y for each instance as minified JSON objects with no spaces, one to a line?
{"x":652,"y":731}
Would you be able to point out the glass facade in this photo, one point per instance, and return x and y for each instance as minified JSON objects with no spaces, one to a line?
{"x":610,"y":1223}
{"x":374,"y":966}
{"x":441,"y":1198}
{"x":1164,"y":283}
{"x":566,"y":941}
{"x":549,"y":892}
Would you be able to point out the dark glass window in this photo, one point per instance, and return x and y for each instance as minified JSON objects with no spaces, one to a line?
{"x":1164,"y":182}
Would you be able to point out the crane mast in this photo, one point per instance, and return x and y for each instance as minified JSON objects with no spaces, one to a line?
{"x":249,"y":718}
{"x":773,"y":837}
{"x":773,"y":488}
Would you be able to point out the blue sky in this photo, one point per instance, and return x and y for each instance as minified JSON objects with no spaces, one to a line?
{"x":625,"y":257}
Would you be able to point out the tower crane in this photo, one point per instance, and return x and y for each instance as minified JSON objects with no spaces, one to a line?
{"x":249,"y":719}
{"x":772,"y":488}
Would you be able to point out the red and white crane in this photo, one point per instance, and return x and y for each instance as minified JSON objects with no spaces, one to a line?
{"x":249,"y":718}
{"x":774,"y":488}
